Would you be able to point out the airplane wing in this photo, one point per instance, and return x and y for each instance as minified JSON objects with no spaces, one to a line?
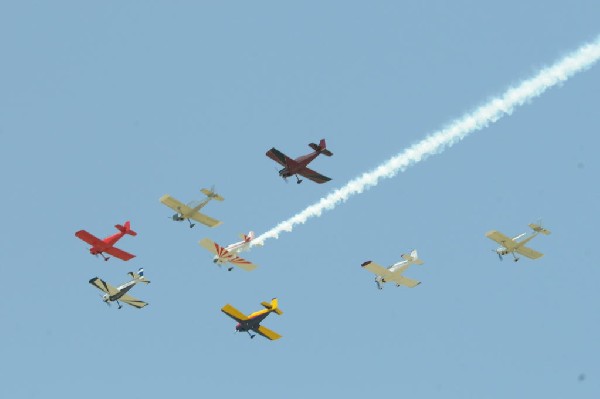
{"x":128,"y":299}
{"x":206,"y":220}
{"x":90,"y":239}
{"x":234,"y":313}
{"x":103,"y":286}
{"x":405,"y":281}
{"x":314,"y":176}
{"x":212,"y":246}
{"x":265,"y":332}
{"x":530,"y":253}
{"x":501,"y":239}
{"x":278,"y":156}
{"x":175,"y":204}
{"x":243,"y":263}
{"x":119,"y":253}
{"x":376,"y":269}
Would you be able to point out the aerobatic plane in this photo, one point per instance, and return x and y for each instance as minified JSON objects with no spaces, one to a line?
{"x":229,"y":253}
{"x":107,"y":245}
{"x":394,"y":272}
{"x":112,"y":294}
{"x":298,"y":166}
{"x":192,"y":210}
{"x":252,"y":321}
{"x":512,"y":245}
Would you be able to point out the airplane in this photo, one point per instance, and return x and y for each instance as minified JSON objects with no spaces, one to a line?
{"x":107,"y":245}
{"x":229,"y":253}
{"x":511,"y":245}
{"x":394,"y":272}
{"x":113,"y":294}
{"x":192,"y":210}
{"x":298,"y":166}
{"x":252,"y":321}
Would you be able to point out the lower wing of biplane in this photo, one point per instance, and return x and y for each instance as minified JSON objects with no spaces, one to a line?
{"x":388,"y":276}
{"x":223,"y":255}
{"x":188,"y":212}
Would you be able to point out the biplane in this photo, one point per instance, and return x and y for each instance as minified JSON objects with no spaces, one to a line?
{"x":192,"y":210}
{"x":229,"y":253}
{"x":298,"y":166}
{"x":252,"y":321}
{"x":107,"y":245}
{"x":112,"y":294}
{"x":512,"y":245}
{"x":394,"y":272}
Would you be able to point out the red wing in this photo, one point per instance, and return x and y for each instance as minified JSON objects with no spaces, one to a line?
{"x":278,"y":156}
{"x":90,"y":239}
{"x":118,"y":253}
{"x":314,"y":176}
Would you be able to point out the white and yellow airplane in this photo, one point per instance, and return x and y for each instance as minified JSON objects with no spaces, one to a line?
{"x":192,"y":210}
{"x":253,"y":320}
{"x":229,"y":253}
{"x":394,"y":272}
{"x":120,"y":292}
{"x":511,"y":245}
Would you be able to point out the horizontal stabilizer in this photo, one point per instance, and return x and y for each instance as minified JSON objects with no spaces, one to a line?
{"x":212,"y":194}
{"x":539,"y":229}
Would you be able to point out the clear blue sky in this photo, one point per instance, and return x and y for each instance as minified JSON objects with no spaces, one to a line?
{"x":106,"y":106}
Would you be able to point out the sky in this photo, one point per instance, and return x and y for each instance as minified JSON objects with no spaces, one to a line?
{"x":107,"y":106}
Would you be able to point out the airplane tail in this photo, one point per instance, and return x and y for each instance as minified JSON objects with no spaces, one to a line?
{"x":139,"y":276}
{"x":126,"y":229}
{"x":415,"y":257}
{"x":211,"y":194}
{"x":249,"y":237}
{"x":539,"y":229}
{"x":273,"y":306}
{"x":321,"y":148}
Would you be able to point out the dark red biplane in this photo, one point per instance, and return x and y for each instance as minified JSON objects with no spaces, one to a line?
{"x":298,"y":166}
{"x":107,"y":245}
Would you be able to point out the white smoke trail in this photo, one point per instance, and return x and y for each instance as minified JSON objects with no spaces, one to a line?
{"x":437,"y":142}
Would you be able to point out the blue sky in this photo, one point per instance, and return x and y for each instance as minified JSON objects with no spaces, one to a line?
{"x":108,"y":106}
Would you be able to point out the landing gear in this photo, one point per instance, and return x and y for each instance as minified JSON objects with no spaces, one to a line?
{"x":191,"y":224}
{"x":229,"y":269}
{"x":104,"y":257}
{"x":120,"y":306}
{"x":298,"y":181}
{"x":251,"y":336}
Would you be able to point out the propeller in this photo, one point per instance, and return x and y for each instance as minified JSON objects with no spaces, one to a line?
{"x":107,"y":302}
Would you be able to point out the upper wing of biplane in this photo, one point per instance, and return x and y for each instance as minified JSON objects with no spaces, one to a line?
{"x":234,"y":313}
{"x":265,"y":332}
{"x":501,"y":239}
{"x":314,"y":176}
{"x":128,"y":299}
{"x":243,"y":263}
{"x":174,"y":204}
{"x":119,"y":253}
{"x":530,"y":253}
{"x":89,"y":238}
{"x":278,"y":156}
{"x":103,"y":286}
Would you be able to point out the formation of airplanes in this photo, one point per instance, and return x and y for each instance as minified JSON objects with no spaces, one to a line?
{"x":230,"y":253}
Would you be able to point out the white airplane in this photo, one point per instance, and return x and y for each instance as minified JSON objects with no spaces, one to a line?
{"x":192,"y":210}
{"x":229,"y":253}
{"x":511,"y":245}
{"x":394,"y":272}
{"x":120,"y":293}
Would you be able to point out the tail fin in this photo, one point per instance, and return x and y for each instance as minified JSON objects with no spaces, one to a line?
{"x":249,"y":237}
{"x":126,"y":229}
{"x":321,"y":148}
{"x":415,"y":257}
{"x":273,"y":306}
{"x":139,"y":276}
{"x":212,"y":194}
{"x":539,"y":229}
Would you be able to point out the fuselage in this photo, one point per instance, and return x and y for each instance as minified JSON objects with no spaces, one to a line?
{"x":122,"y":291}
{"x":108,"y":242}
{"x":298,"y":164}
{"x":230,"y":252}
{"x":253,"y":320}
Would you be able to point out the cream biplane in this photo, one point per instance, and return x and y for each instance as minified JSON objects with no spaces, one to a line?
{"x":394,"y":272}
{"x":112,"y":294}
{"x":229,"y":253}
{"x":192,"y":210}
{"x":252,"y":321}
{"x":511,"y":245}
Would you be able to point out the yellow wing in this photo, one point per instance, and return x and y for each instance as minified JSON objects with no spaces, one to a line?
{"x":405,"y":281}
{"x":501,"y":239}
{"x":233,"y":313}
{"x":530,"y":253}
{"x":103,"y":286}
{"x":206,"y":220}
{"x":175,"y":204}
{"x":265,"y":332}
{"x":376,"y":269}
{"x":128,"y":299}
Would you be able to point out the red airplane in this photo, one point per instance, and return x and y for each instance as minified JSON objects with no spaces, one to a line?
{"x":295,"y":167}
{"x":107,"y":245}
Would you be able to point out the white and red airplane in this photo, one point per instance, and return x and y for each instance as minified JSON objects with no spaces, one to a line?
{"x":107,"y":245}
{"x":229,"y":253}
